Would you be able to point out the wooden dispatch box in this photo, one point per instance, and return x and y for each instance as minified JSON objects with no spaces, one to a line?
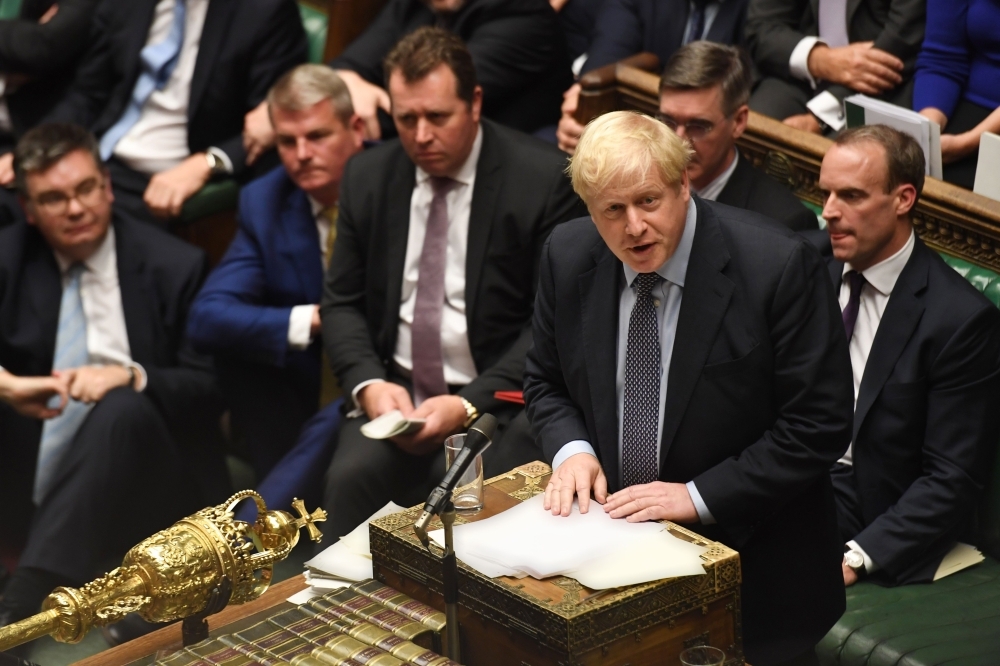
{"x":558,"y":621}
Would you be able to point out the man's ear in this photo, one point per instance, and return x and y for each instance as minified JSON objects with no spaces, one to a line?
{"x":109,"y":190}
{"x":740,"y":119}
{"x":906,"y":199}
{"x":28,"y":209}
{"x":477,"y":103}
{"x":357,"y":125}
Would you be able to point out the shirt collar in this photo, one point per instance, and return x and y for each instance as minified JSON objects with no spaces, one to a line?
{"x":102,"y":262}
{"x":675,"y":268}
{"x":316,"y":206}
{"x":467,"y":172}
{"x":883,"y":275}
{"x":714,"y":189}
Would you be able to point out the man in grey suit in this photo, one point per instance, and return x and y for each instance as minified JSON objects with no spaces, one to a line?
{"x":813,"y":53}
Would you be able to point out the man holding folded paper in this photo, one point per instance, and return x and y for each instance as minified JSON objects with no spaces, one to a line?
{"x":689,"y":357}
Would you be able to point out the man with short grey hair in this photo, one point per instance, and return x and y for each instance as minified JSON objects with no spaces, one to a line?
{"x":259,"y":310}
{"x":704,"y":92}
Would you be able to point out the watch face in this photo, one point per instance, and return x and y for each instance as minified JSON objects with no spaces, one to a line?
{"x":854,"y":559}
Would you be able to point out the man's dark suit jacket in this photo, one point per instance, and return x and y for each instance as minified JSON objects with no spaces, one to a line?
{"x":520,"y":194}
{"x":47,"y":54}
{"x":758,"y":403}
{"x":752,"y":189}
{"x":159,"y":276}
{"x":626,"y":27}
{"x":246,"y":45}
{"x":775,"y":27}
{"x":926,"y":423}
{"x":517,"y":47}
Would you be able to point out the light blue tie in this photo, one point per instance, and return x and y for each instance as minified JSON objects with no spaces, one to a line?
{"x":71,"y":352}
{"x":157,"y":62}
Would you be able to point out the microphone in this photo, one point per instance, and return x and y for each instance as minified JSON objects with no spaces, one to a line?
{"x":478,"y":438}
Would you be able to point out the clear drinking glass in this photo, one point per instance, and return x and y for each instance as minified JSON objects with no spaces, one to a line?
{"x":702,"y":655}
{"x":468,"y":495}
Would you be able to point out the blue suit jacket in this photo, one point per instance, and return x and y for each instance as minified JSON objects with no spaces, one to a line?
{"x":273,"y":264}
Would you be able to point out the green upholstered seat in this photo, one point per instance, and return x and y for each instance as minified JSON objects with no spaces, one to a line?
{"x":955,"y":620}
{"x":223,"y":195}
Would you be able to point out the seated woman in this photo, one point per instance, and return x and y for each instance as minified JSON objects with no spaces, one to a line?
{"x":957,"y":82}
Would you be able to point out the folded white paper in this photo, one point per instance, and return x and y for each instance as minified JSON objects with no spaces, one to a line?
{"x":350,"y":558}
{"x":660,"y":555}
{"x":391,"y":424}
{"x":961,"y":556}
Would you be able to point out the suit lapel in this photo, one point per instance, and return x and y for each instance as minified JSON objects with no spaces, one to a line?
{"x":400,"y":191}
{"x":852,"y":7}
{"x":672,"y":20}
{"x":218,"y":19}
{"x":737,"y":190}
{"x":600,"y":293}
{"x":706,"y":297}
{"x":138,"y":304}
{"x":481,"y":213}
{"x":901,"y":316}
{"x":41,"y":275}
{"x":301,"y":245}
{"x":144,"y":12}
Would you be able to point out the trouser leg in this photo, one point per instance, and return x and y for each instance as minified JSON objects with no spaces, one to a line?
{"x":779,"y":98}
{"x":122,"y":480}
{"x":129,"y":187}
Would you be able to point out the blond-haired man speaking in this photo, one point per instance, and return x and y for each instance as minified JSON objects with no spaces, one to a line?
{"x":689,"y":358}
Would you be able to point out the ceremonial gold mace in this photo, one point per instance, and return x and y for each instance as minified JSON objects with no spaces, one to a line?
{"x":174,"y":574}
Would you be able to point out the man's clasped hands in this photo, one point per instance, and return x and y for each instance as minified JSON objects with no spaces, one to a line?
{"x":32,"y":396}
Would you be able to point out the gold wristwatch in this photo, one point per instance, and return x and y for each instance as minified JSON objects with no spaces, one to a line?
{"x":471,"y":413}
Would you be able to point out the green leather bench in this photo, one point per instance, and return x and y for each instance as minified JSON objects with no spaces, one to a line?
{"x":955,"y":620}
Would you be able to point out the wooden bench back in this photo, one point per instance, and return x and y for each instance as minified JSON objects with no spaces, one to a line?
{"x":948,"y":218}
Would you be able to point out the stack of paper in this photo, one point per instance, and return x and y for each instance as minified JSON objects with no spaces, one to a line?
{"x":988,"y":167}
{"x":864,"y":110}
{"x":593,"y":548}
{"x":347,"y":561}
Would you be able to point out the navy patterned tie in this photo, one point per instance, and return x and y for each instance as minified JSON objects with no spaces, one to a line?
{"x":856,"y":281}
{"x":642,"y":388}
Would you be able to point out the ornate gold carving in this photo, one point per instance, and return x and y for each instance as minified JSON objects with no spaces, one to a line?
{"x":171,"y":575}
{"x":530,"y":488}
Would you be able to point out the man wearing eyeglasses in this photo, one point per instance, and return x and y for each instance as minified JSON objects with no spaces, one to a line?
{"x":704,"y":92}
{"x":102,"y":401}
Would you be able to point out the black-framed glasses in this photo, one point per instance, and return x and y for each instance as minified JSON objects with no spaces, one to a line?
{"x":693,"y":129}
{"x":57,"y":203}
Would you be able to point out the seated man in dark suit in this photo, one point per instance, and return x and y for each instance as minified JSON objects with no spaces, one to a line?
{"x":813,"y":53}
{"x":166,"y":84}
{"x":704,"y":92}
{"x":517,"y":46}
{"x":925,"y":346}
{"x":687,"y":357}
{"x":626,"y":27}
{"x":258,"y":312}
{"x":102,"y":401}
{"x":428,"y":299}
{"x":39,"y":49}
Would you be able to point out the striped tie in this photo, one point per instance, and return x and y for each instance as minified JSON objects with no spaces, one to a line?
{"x":71,"y":352}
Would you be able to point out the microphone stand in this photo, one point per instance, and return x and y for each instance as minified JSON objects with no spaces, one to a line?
{"x":449,"y":576}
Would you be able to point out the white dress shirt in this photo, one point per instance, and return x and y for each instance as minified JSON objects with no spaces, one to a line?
{"x":880,"y":280}
{"x":712,"y":191}
{"x":459,"y":367}
{"x":159,"y":140}
{"x":107,"y":337}
{"x":300,"y":321}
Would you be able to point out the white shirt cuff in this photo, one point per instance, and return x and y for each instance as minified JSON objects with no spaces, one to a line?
{"x":141,"y":377}
{"x":798,"y":63}
{"x":357,"y":411}
{"x":300,"y":326}
{"x":870,"y":565}
{"x":571,"y":449}
{"x":221,"y":154}
{"x":829,"y":109}
{"x":704,"y":515}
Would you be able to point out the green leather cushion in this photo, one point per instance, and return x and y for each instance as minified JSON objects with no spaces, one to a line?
{"x":316,"y":24}
{"x":955,"y":620}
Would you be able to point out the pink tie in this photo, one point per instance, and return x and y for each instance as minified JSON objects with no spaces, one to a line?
{"x":428,"y":362}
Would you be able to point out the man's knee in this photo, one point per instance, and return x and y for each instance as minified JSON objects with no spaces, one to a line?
{"x":778,"y":98}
